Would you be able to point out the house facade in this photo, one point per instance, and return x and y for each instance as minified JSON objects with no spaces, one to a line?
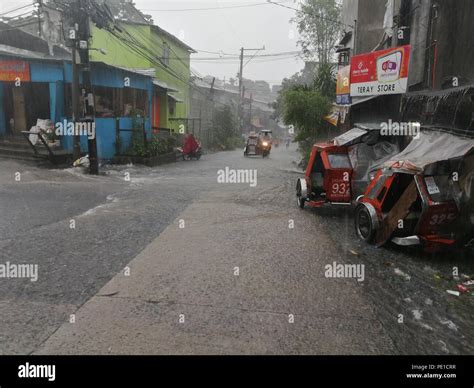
{"x":151,"y":48}
{"x":440,"y":88}
{"x":33,"y":87}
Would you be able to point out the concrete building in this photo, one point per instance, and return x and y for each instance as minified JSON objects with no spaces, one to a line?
{"x":441,"y":33}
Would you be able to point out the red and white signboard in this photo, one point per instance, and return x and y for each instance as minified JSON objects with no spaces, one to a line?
{"x":10,"y":71}
{"x":380,"y":72}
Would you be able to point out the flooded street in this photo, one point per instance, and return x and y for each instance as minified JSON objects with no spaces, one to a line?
{"x":119,"y":222}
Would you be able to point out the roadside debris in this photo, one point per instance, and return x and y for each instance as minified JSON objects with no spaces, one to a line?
{"x":399,"y":272}
{"x":451,"y":292}
{"x":82,"y":162}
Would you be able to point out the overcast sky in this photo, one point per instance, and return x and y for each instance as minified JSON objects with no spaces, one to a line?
{"x":218,"y":28}
{"x":229,"y":29}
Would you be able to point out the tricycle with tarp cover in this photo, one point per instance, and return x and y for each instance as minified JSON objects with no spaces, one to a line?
{"x":413,"y":199}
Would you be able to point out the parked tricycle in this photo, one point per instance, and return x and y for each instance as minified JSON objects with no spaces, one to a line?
{"x":337,"y":169}
{"x":414,"y":201}
{"x":327,"y":179}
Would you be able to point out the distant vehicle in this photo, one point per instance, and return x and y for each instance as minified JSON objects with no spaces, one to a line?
{"x":257,"y":145}
{"x":191,"y":149}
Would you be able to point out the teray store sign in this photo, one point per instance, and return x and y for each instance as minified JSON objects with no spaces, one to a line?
{"x":380,"y":72}
{"x":11,"y":71}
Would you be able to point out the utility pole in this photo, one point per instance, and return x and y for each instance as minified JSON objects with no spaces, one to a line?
{"x":243,"y":110}
{"x":241,"y":91}
{"x":76,"y":151}
{"x":80,"y":35}
{"x":88,"y":95}
{"x":241,"y":97}
{"x":250,"y":113}
{"x":213,"y":108}
{"x":40,"y":10}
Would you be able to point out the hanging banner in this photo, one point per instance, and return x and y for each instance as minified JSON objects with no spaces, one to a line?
{"x":380,"y":72}
{"x":343,"y":86}
{"x":11,"y":71}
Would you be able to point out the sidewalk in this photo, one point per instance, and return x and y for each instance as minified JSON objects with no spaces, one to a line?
{"x":281,"y":272}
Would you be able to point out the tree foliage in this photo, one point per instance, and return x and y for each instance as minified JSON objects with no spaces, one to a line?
{"x":319,"y":25}
{"x":305,"y":108}
{"x":225,"y":126}
{"x":325,"y":81}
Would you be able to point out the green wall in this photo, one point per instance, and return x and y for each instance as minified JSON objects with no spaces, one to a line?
{"x":118,"y":54}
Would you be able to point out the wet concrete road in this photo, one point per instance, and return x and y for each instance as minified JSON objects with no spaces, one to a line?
{"x":182,"y":294}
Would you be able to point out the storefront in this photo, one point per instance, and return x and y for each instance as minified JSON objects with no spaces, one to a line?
{"x":34,"y":88}
{"x":25,"y":94}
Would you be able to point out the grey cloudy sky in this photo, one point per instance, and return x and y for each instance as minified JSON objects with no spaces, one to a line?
{"x":228,"y":29}
{"x":218,"y":28}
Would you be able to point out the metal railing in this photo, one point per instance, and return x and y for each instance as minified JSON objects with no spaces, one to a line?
{"x":50,"y":154}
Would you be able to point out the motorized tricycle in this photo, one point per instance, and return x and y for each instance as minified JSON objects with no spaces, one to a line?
{"x":256,"y":146}
{"x":414,"y":201}
{"x":408,"y":209}
{"x":327,"y":177}
{"x":336,"y":170}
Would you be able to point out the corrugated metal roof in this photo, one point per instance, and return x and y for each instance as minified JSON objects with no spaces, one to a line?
{"x":149,"y":72}
{"x":164,"y":85}
{"x":175,"y":98}
{"x":27,"y":54}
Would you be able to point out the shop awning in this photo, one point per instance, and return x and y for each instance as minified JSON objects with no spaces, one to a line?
{"x":350,"y":136}
{"x":361,"y":100}
{"x":431,"y":147}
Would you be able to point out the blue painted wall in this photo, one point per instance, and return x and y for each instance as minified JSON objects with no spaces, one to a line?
{"x":105,"y":132}
{"x":46,"y":72}
{"x":60,"y":73}
{"x":111,"y":77}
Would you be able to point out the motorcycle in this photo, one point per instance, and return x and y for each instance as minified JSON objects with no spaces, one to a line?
{"x":192,"y":148}
{"x":196,"y":154}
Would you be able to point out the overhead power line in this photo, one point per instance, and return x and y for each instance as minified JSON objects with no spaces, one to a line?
{"x":16,"y":9}
{"x":311,"y":14}
{"x":218,"y":59}
{"x":144,"y":52}
{"x":212,"y":8}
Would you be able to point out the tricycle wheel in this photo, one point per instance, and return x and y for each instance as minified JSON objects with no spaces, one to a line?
{"x":299,"y":198}
{"x":363,"y":224}
{"x":301,"y":201}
